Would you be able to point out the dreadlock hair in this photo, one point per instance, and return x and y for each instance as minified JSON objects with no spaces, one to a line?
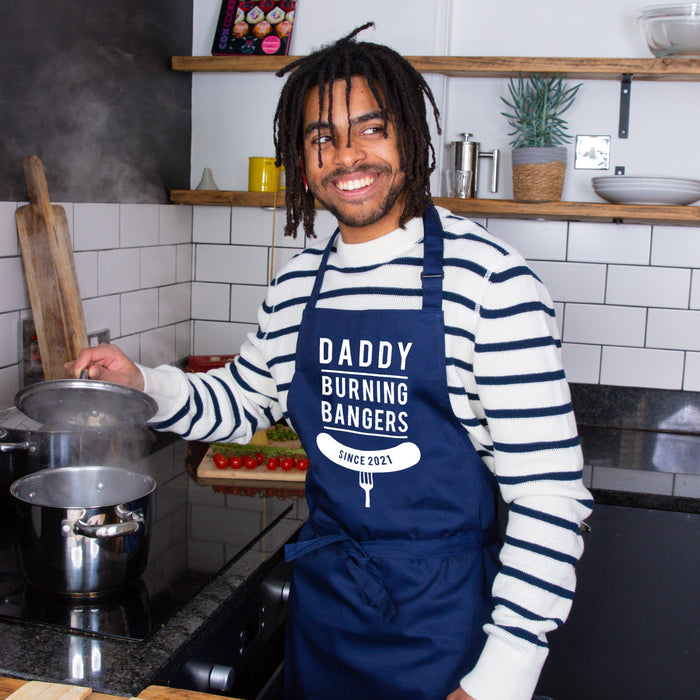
{"x":399,"y":90}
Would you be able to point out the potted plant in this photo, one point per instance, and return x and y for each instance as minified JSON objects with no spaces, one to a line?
{"x":539,"y":133}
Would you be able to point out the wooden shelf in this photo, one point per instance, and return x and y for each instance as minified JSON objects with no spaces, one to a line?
{"x":475,"y":66}
{"x":483,"y":208}
{"x":483,"y":66}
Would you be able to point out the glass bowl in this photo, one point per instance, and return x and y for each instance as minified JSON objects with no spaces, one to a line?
{"x":672,"y":30}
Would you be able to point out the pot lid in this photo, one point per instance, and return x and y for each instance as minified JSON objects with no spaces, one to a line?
{"x":84,"y":404}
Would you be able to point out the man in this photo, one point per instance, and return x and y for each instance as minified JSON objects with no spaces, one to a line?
{"x":418,"y":359}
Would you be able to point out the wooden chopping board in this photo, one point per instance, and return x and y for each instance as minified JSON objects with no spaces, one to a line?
{"x":160,"y":692}
{"x":49,"y":267}
{"x":208,"y":470}
{"x":39,"y":690}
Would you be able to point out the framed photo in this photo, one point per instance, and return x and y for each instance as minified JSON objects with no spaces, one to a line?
{"x":249,"y":27}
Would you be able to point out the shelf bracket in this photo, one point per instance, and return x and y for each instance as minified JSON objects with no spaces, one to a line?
{"x":625,"y":90}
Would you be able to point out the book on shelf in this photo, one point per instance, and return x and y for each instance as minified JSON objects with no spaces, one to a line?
{"x":254,"y":27}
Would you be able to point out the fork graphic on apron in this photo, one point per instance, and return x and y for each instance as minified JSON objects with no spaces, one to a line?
{"x":366,"y":482}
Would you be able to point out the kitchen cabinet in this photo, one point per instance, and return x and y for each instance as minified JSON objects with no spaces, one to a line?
{"x":677,"y":69}
{"x":632,"y":632}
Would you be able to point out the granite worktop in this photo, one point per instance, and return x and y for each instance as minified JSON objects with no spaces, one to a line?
{"x":641,"y":448}
{"x":124,"y":667}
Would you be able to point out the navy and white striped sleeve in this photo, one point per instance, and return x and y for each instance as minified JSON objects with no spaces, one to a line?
{"x":537,"y":462}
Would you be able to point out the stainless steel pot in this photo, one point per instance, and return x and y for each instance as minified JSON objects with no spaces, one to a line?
{"x":27,"y":446}
{"x":84,"y":404}
{"x":83,"y":529}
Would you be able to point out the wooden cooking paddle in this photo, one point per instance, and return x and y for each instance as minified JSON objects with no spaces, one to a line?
{"x":49,"y":267}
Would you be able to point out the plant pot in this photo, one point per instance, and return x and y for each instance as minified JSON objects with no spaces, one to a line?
{"x":538,"y":174}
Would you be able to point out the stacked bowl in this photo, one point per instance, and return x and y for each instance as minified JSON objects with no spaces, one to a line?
{"x":625,"y":189}
{"x":672,"y":30}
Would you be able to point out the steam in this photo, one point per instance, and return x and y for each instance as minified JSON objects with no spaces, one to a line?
{"x":102,"y":111}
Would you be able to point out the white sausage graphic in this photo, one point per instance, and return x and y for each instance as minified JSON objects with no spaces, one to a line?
{"x":393,"y":459}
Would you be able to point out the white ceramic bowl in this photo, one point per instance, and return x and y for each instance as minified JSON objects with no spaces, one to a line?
{"x":672,"y":30}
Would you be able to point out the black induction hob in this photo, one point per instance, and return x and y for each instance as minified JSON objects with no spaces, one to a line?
{"x":184,"y":557}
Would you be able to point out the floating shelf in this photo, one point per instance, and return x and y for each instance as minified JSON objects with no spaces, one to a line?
{"x":482,"y":208}
{"x":475,"y":66}
{"x":671,"y":69}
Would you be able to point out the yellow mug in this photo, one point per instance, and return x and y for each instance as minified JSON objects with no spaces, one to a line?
{"x":263,"y":176}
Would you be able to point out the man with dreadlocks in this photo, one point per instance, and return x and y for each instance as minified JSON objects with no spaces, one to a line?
{"x":418,"y":358}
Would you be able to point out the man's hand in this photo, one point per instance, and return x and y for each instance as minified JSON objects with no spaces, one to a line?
{"x":459,"y":694}
{"x":107,"y":363}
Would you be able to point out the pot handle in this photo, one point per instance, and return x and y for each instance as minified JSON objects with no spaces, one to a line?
{"x":15,"y":446}
{"x":131,"y":524}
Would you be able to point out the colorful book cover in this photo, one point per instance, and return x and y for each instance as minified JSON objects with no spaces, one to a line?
{"x":251,"y":27}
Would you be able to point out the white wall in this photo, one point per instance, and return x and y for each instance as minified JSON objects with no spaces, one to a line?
{"x":627,"y":296}
{"x":134,"y":267}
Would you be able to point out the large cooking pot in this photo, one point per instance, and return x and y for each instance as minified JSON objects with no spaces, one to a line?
{"x":27,"y":446}
{"x":83,"y":529}
{"x":62,"y":423}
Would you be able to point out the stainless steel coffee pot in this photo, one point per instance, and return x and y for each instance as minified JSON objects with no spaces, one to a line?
{"x":463,"y":170}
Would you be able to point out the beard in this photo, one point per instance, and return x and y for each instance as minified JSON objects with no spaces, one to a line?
{"x":362,"y":217}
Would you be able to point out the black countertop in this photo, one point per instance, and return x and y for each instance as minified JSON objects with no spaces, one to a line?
{"x":641,"y":447}
{"x":124,"y":667}
{"x":665,"y":446}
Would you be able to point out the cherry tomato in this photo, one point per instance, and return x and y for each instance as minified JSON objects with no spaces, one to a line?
{"x":302,"y":463}
{"x":287,"y":463}
{"x":250,"y":462}
{"x":259,"y":457}
{"x":236,"y":461}
{"x":220,"y":461}
{"x":272,"y":463}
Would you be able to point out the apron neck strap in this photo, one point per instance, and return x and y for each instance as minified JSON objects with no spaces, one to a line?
{"x":432,"y":274}
{"x":313,"y":298}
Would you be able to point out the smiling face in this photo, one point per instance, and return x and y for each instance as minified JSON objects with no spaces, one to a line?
{"x":361,"y":183}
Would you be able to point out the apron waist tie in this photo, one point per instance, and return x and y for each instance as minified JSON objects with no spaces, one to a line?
{"x":359,"y":560}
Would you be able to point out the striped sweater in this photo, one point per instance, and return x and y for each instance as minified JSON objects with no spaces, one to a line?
{"x":507,"y":388}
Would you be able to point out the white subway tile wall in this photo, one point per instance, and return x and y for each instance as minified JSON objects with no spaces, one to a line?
{"x":536,"y":240}
{"x":139,"y":311}
{"x":692,"y":371}
{"x":231,"y":263}
{"x":648,"y":286}
{"x":676,"y":246}
{"x":96,"y":226}
{"x":138,"y":225}
{"x":695,"y":290}
{"x":609,"y":243}
{"x":211,"y":302}
{"x":581,"y":282}
{"x":134,"y":268}
{"x":624,"y":294}
{"x":171,"y":280}
{"x":245,"y":302}
{"x":656,"y":369}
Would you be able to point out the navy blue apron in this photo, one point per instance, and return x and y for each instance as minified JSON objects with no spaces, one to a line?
{"x":393,"y":570}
